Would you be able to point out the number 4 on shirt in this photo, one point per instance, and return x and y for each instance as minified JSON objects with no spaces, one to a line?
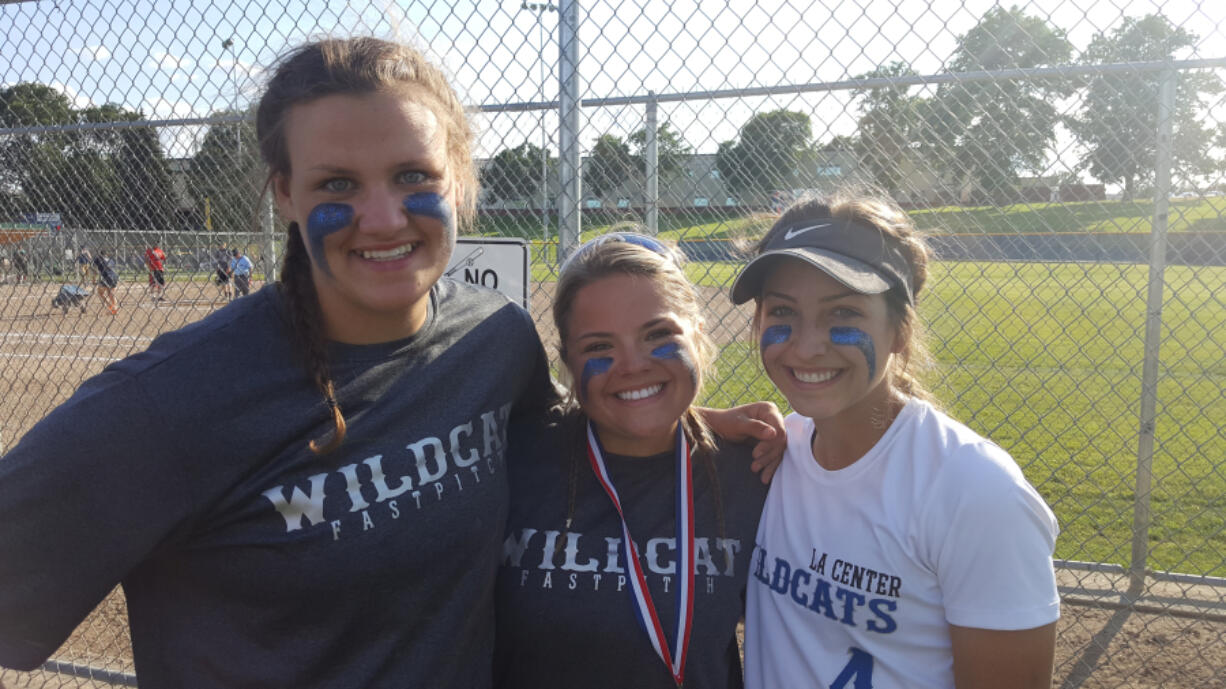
{"x":857,"y":674}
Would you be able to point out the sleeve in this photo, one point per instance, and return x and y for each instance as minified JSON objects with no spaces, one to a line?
{"x":83,"y":500}
{"x":993,"y":537}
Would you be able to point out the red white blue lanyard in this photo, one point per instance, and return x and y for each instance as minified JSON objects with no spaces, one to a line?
{"x":644,"y":608}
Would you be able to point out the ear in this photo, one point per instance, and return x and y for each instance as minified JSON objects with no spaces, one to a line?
{"x":281,"y":195}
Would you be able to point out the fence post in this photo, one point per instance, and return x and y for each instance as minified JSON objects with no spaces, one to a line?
{"x":652,"y":193}
{"x":569,"y":161}
{"x":1153,"y":333}
{"x":269,"y":223}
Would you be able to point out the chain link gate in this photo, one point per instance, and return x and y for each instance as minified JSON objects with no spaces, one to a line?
{"x":1069,"y":158}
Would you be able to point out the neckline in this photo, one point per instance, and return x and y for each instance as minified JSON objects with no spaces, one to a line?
{"x":910,"y":411}
{"x":379,"y":351}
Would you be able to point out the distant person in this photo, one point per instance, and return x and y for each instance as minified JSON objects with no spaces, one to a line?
{"x":108,"y":279}
{"x":240,"y":270}
{"x":22,"y":264}
{"x":155,"y":260}
{"x":84,"y":262}
{"x":222,"y":273}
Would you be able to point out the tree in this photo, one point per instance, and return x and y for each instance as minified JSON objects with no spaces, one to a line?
{"x":136,"y":191}
{"x":35,"y":163}
{"x":1119,"y":114}
{"x":983,"y":133}
{"x":839,"y":142}
{"x":514,"y":174}
{"x":609,"y":166}
{"x":765,"y":157}
{"x":94,"y":177}
{"x":888,"y":128}
{"x":226,"y":176}
{"x":671,"y":150}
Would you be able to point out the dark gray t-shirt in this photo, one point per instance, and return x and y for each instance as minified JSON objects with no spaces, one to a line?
{"x":565,"y":618}
{"x":247,"y":560}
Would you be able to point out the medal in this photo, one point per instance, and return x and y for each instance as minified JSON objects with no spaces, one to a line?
{"x":644,"y":607}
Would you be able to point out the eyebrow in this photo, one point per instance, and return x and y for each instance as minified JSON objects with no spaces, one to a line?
{"x":329,"y":169}
{"x":832,"y":297}
{"x":412,"y":164}
{"x":646,"y":326}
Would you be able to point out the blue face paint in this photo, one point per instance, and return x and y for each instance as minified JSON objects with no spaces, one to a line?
{"x":325,"y":219}
{"x":776,"y":334}
{"x":431,"y":205}
{"x":674,"y":350}
{"x":591,"y":369}
{"x":856,"y":337}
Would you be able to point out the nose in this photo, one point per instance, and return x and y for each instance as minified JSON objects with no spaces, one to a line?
{"x":381,"y":209}
{"x":812,"y":341}
{"x":633,"y":360}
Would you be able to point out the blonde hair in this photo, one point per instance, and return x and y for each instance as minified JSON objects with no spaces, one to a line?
{"x":593,"y":263}
{"x":880,"y":212}
{"x":353,"y":66}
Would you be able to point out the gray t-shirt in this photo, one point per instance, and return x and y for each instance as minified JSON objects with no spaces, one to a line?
{"x":247,"y":560}
{"x":565,"y":617}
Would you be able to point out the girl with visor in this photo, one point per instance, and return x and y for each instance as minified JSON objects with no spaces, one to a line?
{"x":897,"y":548}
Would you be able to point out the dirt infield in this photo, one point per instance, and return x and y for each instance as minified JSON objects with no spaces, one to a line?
{"x":46,"y":353}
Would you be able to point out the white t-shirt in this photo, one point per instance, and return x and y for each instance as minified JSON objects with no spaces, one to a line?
{"x":858,"y":573}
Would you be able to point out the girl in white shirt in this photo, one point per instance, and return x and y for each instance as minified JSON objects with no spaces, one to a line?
{"x":897,"y":547}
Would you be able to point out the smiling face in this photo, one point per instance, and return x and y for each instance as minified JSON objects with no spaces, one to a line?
{"x":826,"y":347}
{"x":371,"y":190}
{"x":630,"y":356}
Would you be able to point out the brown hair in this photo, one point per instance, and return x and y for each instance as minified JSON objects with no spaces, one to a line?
{"x":881,"y":213}
{"x":611,"y":258}
{"x":353,"y":66}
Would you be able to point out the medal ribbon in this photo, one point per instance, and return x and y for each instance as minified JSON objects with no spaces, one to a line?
{"x":644,"y":607}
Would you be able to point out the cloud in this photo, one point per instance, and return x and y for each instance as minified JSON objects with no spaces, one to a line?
{"x":98,"y":53}
{"x":167,"y":61}
{"x":163,"y":109}
{"x":78,"y":100}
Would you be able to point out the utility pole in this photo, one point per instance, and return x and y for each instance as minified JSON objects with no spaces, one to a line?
{"x":540,"y":9}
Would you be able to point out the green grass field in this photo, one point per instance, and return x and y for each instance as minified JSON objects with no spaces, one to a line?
{"x":1046,"y":360}
{"x":1205,"y":215}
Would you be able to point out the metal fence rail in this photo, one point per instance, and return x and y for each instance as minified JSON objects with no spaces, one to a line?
{"x":1068,"y":158}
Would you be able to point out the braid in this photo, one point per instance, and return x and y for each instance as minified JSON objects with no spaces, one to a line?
{"x":305,"y":317}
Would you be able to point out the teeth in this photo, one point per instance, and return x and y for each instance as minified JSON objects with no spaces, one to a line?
{"x":641,"y":393}
{"x":819,"y":377}
{"x":389,"y":254}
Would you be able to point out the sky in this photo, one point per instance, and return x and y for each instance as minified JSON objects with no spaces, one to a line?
{"x":166,"y":58}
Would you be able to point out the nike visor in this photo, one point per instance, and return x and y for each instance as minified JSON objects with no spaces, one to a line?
{"x":853,"y":253}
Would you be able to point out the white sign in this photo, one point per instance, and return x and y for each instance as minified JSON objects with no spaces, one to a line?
{"x":496,"y":262}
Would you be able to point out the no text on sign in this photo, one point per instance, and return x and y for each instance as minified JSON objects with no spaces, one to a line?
{"x":499,"y":263}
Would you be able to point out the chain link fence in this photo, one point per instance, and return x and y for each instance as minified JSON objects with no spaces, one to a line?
{"x":1068,"y":158}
